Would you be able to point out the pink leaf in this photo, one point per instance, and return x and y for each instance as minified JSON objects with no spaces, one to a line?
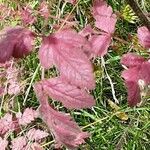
{"x":133,"y":93}
{"x":100,"y":44}
{"x":86,"y":31}
{"x":66,"y":50}
{"x":6,"y":124}
{"x":12,"y":79}
{"x":131,"y":74}
{"x":74,"y":65}
{"x":103,"y":14}
{"x":16,"y":42}
{"x":27,"y":16}
{"x":71,"y":38}
{"x":27,"y":117}
{"x":44,"y":11}
{"x":71,"y":1}
{"x":46,"y":53}
{"x":132,"y":60}
{"x":36,"y":134}
{"x":139,"y":69}
{"x":144,"y":36}
{"x":3,"y":144}
{"x":131,"y":79}
{"x":24,"y":44}
{"x":36,"y":146}
{"x":19,"y":143}
{"x":65,"y":130}
{"x":1,"y":91}
{"x":144,"y":72}
{"x":69,"y":95}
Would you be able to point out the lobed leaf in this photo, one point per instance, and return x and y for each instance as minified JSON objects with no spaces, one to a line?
{"x":70,"y":95}
{"x":66,"y":131}
{"x":36,"y":134}
{"x":27,"y":117}
{"x":103,"y":14}
{"x":65,"y":50}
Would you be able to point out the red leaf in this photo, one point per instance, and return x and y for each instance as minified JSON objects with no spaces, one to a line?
{"x":16,"y":42}
{"x":65,"y":130}
{"x":12,"y":79}
{"x":103,"y":14}
{"x":132,"y":60}
{"x":144,"y":36}
{"x":69,"y":95}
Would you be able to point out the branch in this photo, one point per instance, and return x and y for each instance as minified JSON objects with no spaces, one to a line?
{"x":139,"y":12}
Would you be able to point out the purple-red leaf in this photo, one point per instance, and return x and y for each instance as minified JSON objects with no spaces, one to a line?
{"x":66,"y":131}
{"x":144,"y":36}
{"x":131,"y":81}
{"x":103,"y":14}
{"x":16,"y":42}
{"x":100,"y":44}
{"x":132,"y":60}
{"x":74,"y":66}
{"x":144,"y":73}
{"x":46,"y":52}
{"x":66,"y":50}
{"x":69,"y":95}
{"x":24,"y":44}
{"x":139,"y":70}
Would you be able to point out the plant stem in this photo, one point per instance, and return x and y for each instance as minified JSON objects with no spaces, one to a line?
{"x":139,"y":12}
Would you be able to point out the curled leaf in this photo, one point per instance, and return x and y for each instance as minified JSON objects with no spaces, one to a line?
{"x":16,"y":42}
